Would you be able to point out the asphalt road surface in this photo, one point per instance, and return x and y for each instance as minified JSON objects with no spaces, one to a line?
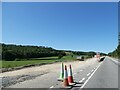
{"x":105,"y":75}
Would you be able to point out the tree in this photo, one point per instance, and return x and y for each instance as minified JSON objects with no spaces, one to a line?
{"x":60,"y":56}
{"x":12,"y":52}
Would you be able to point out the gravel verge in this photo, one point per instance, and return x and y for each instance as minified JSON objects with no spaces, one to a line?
{"x":10,"y":80}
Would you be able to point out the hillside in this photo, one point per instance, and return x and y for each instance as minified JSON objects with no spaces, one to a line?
{"x":12,"y":52}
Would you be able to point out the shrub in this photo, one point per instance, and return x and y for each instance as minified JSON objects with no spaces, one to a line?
{"x":60,"y":56}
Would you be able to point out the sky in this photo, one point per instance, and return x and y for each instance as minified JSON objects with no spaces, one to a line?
{"x":78,"y":26}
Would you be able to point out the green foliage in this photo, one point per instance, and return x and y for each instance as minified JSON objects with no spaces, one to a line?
{"x":60,"y":56}
{"x":16,"y":52}
{"x":118,"y":51}
{"x":23,"y":62}
{"x":88,"y":54}
{"x":9,"y":64}
{"x":115,"y":53}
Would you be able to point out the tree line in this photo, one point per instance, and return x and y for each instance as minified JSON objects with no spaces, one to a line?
{"x":12,"y":52}
{"x":115,"y":53}
{"x":88,"y":54}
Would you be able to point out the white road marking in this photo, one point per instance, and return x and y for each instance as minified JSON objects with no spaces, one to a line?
{"x":82,"y":80}
{"x":51,"y":86}
{"x":88,"y":74}
{"x":81,"y":70}
{"x":91,"y":75}
{"x":92,"y":70}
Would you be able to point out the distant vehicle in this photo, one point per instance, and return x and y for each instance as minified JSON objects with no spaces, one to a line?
{"x":81,"y":58}
{"x":101,"y":59}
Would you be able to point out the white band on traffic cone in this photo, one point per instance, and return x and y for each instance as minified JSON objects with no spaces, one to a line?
{"x":65,"y":81}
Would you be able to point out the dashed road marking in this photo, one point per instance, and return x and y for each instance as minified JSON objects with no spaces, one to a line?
{"x":82,"y":80}
{"x":92,"y":70}
{"x":51,"y":86}
{"x":90,"y":76}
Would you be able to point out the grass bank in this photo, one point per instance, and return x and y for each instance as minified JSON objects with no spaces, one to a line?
{"x":11,"y":64}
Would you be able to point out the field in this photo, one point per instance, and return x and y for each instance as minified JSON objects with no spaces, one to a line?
{"x":10,"y":64}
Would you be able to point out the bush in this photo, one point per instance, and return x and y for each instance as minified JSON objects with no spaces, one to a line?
{"x":60,"y":56}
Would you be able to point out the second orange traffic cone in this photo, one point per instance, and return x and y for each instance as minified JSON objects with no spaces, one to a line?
{"x":70,"y":76}
{"x":65,"y":81}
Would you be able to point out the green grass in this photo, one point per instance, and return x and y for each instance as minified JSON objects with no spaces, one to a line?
{"x":10,"y":64}
{"x":68,"y":58}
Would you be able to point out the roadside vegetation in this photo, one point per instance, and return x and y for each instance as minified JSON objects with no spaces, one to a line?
{"x":19,"y":55}
{"x":46,"y":60}
{"x":115,"y":53}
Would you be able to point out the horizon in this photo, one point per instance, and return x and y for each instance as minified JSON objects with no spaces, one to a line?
{"x":62,"y":26}
{"x":50,"y":47}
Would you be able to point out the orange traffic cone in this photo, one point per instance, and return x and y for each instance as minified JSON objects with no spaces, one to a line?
{"x":70,"y":77}
{"x":65,"y":81}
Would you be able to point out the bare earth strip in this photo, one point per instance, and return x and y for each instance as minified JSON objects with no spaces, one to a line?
{"x":13,"y":77}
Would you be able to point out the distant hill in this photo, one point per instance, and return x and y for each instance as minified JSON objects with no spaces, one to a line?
{"x":11,"y":52}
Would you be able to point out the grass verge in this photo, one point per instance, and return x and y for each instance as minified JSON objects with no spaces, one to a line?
{"x":11,"y":64}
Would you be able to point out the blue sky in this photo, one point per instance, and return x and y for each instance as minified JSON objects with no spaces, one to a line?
{"x":69,"y":26}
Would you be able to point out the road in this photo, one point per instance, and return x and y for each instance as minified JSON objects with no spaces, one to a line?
{"x":95,"y":75}
{"x":105,"y":76}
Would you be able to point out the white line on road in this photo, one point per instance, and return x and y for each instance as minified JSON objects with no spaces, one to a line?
{"x":51,"y":86}
{"x":88,"y":74}
{"x":92,"y":70}
{"x":82,"y":80}
{"x":91,"y":76}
